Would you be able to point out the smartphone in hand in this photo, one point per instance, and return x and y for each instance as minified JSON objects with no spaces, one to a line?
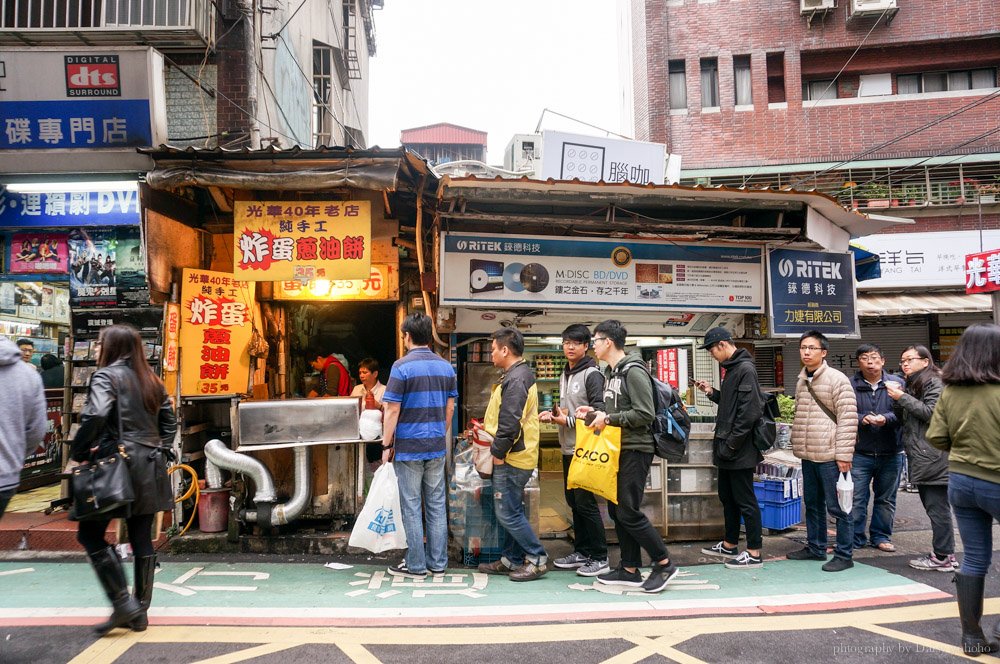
{"x":590,"y":417}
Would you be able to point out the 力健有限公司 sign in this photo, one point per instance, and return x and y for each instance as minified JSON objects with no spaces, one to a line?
{"x":811,"y":290}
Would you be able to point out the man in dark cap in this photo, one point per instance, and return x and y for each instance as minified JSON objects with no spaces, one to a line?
{"x":733,"y":450}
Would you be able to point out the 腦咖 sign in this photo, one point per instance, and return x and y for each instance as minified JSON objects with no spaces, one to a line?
{"x":811,"y":290}
{"x":982,"y":272}
{"x":216,"y":327}
{"x":302,"y":240}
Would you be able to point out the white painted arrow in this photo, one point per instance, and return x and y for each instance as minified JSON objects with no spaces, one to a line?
{"x":23,"y":570}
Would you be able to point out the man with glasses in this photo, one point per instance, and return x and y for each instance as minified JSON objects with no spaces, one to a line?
{"x":581,"y":384}
{"x":629,"y":404}
{"x":876,"y":464}
{"x":823,"y":436}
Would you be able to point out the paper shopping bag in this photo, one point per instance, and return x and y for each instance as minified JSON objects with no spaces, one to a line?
{"x":380,"y":525}
{"x":595,"y":461}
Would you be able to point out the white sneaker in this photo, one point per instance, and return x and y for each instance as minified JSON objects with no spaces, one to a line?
{"x":931,"y":563}
{"x":594,"y":568}
{"x":745,"y":560}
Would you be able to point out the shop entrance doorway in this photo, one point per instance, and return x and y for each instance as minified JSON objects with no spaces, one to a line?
{"x":354,"y":330}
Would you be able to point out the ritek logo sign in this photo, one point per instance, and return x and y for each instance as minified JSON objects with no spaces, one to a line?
{"x":809,"y":269}
{"x":93,"y":76}
{"x":785,"y":267}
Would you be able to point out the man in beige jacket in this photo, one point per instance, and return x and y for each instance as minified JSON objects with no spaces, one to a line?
{"x":823,"y":436}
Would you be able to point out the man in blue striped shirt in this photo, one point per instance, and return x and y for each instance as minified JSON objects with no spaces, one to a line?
{"x":419,"y":402}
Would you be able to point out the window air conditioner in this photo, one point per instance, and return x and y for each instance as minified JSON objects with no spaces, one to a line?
{"x":809,"y":6}
{"x":871,"y":7}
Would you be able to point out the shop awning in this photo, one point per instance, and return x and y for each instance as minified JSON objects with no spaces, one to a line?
{"x":866,"y":264}
{"x":901,"y":304}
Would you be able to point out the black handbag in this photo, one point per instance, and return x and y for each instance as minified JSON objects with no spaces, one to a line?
{"x":102,"y":487}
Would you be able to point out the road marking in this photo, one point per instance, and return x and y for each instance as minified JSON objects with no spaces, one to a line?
{"x":246,"y":654}
{"x":187,"y":575}
{"x":257,"y":576}
{"x":358,"y":653}
{"x":23,"y":570}
{"x":915,"y":639}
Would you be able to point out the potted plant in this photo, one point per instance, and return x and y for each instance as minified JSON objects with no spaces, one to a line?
{"x":877,"y":194}
{"x":955,"y":188}
{"x":783,"y":423}
{"x":988,"y":192}
{"x":913,"y":195}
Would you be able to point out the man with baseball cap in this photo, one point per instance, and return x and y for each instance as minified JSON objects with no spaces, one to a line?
{"x":733,"y":450}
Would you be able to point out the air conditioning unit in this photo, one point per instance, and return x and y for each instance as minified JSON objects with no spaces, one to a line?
{"x":858,"y":8}
{"x":810,"y":6}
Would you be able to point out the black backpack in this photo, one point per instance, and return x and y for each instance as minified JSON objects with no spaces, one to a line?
{"x":765,"y":432}
{"x":671,"y":426}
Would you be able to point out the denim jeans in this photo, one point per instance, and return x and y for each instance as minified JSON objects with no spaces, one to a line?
{"x":878,"y":475}
{"x":422,"y":497}
{"x":819,"y":488}
{"x":976,"y":503}
{"x":520,"y":543}
{"x":634,"y":530}
{"x":588,"y":526}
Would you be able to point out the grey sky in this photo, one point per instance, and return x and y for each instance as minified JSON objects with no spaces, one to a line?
{"x":493,"y":66}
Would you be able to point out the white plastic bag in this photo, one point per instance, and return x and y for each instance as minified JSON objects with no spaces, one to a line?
{"x":380,"y":525}
{"x":370,"y":424}
{"x":845,"y":492}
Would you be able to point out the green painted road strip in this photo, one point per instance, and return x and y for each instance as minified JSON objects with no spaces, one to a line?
{"x":312,"y":591}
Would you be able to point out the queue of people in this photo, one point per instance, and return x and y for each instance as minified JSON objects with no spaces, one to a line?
{"x":943,"y":423}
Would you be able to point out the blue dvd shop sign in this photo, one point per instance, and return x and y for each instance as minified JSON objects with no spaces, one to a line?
{"x":811,"y":290}
{"x":71,"y":209}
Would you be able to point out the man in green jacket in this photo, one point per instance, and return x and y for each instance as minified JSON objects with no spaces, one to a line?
{"x":629,"y":404}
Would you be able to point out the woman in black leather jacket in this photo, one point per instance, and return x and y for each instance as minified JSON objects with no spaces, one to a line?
{"x":126,"y":404}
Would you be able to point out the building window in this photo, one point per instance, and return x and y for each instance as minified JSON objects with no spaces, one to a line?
{"x":741,"y":80}
{"x":817,"y":90}
{"x":322,"y":80}
{"x":709,"y":82}
{"x":678,"y":84}
{"x":775,"y":77}
{"x":944,"y":81}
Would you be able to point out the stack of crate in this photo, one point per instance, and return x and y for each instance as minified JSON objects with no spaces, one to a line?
{"x":780,"y":501}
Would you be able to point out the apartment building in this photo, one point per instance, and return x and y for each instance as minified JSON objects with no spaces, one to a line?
{"x":890,"y":106}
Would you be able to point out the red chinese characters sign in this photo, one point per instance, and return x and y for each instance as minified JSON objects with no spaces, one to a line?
{"x":982,"y":272}
{"x":302,"y":240}
{"x":667,"y":369}
{"x":215,"y":333}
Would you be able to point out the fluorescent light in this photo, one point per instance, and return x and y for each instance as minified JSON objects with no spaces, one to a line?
{"x":72,"y":187}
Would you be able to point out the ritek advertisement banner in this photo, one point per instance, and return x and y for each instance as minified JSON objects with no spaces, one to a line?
{"x":487,"y":270}
{"x":811,"y":290}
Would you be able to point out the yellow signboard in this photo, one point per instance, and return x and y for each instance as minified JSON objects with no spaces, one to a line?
{"x":215,"y":333}
{"x":382,"y":284}
{"x":302,"y":240}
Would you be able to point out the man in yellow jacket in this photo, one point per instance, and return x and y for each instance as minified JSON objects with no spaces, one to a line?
{"x":823,"y":436}
{"x":512,"y":421}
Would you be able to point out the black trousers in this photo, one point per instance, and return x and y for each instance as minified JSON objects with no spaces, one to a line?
{"x":588,"y":527}
{"x":738,"y":500}
{"x":90,"y":534}
{"x":635,"y":532}
{"x":935,"y":500}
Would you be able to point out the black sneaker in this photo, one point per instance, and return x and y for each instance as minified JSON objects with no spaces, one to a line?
{"x":745,"y":560}
{"x":621,"y":577}
{"x":838,"y":565}
{"x":659,"y":577}
{"x":401,"y":570}
{"x":805,"y":553}
{"x":721,"y":550}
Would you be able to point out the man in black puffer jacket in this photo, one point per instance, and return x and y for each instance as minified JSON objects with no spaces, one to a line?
{"x":740,"y":408}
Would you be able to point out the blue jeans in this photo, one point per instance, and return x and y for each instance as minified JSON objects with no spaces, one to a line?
{"x":819,"y":488}
{"x":520,"y":543}
{"x":878,"y":474}
{"x":422,"y":497}
{"x":976,"y":504}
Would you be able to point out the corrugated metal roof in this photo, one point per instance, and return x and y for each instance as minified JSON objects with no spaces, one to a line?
{"x":442,"y":132}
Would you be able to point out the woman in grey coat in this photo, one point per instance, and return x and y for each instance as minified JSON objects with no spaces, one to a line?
{"x":928,"y":466}
{"x":127,"y":405}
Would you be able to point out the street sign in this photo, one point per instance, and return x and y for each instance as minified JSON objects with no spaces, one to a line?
{"x":982,"y":272}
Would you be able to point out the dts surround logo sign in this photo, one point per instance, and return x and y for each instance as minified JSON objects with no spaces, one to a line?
{"x":93,"y":76}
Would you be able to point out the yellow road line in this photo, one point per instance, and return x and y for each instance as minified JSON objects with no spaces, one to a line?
{"x":246,"y":653}
{"x":659,"y":635}
{"x":358,"y":653}
{"x":917,"y":640}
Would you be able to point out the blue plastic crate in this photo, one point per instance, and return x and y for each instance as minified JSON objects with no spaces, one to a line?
{"x":781,"y":515}
{"x":772,"y":491}
{"x":471,"y":558}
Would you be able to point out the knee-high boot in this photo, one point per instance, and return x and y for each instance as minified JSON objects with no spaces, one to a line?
{"x":970,"y":610}
{"x":109,"y":572}
{"x":145,"y":567}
